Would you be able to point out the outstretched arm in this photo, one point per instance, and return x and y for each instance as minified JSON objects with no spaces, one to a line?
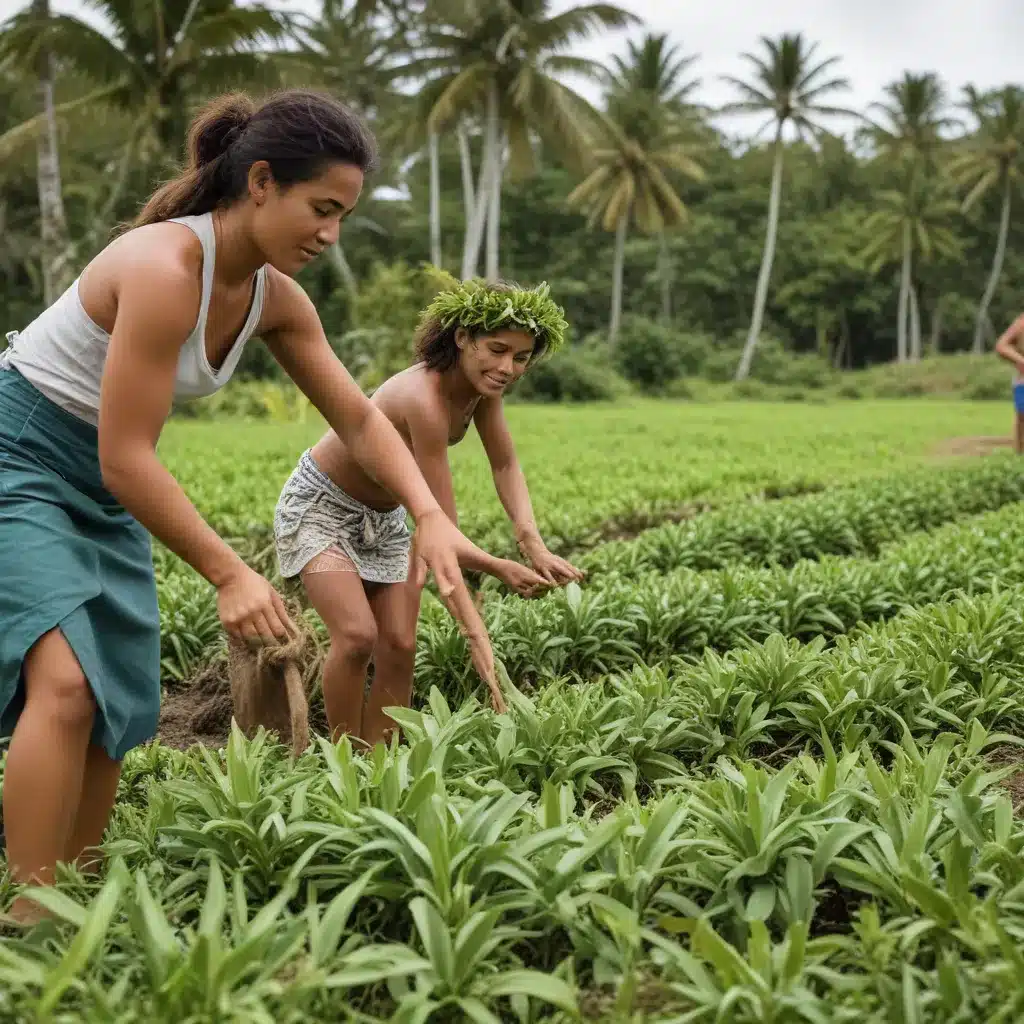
{"x":510,"y":484}
{"x":296,"y":339}
{"x":428,"y":428}
{"x":1006,"y":346}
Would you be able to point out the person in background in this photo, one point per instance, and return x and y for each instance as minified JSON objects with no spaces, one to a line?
{"x":343,"y":533}
{"x":1007,"y":348}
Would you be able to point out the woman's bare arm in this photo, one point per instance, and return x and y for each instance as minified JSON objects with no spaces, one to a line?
{"x":297,"y":341}
{"x":510,"y":483}
{"x":157,"y":303}
{"x":428,"y":428}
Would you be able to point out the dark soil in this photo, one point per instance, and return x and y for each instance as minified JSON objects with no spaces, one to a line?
{"x":197,"y":712}
{"x":1007,"y":757}
{"x":200,"y":710}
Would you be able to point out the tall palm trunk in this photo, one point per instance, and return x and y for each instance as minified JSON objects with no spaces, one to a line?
{"x":617,"y":271}
{"x":341,"y":266}
{"x":466,"y":162}
{"x":915,"y":326}
{"x":54,"y":227}
{"x":489,"y":172}
{"x":494,"y":216}
{"x":904,"y":302}
{"x":435,"y":199}
{"x":761,"y":293}
{"x":665,"y":273}
{"x":997,"y":269}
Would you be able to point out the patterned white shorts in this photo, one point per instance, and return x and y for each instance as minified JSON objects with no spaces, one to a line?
{"x":317,"y":526}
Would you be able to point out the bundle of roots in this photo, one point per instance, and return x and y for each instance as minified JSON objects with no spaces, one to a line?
{"x":267,"y":688}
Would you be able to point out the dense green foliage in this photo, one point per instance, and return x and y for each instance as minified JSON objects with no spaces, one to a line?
{"x":762,"y":765}
{"x":597,"y":469}
{"x":834,"y":288}
{"x":761,"y":791}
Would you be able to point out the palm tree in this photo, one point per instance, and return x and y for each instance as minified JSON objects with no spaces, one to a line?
{"x":907,"y":130}
{"x":630,"y":182}
{"x":500,"y":61}
{"x":350,"y":49}
{"x":657,"y":67}
{"x":992,"y":157}
{"x":647,"y":85}
{"x":788,"y":85}
{"x":909,"y":123}
{"x":155,"y":57}
{"x":54,"y":226}
{"x":911,"y":220}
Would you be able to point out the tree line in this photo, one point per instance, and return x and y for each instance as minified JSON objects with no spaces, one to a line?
{"x":863,"y":235}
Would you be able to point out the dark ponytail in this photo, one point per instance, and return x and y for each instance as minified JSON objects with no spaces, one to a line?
{"x":298,"y":132}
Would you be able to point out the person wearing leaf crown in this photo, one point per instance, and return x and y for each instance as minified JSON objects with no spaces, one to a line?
{"x":344,"y":535}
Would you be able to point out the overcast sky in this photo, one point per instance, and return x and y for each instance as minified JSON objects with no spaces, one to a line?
{"x":976,"y":41}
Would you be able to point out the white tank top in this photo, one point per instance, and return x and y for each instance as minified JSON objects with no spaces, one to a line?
{"x":62,"y":352}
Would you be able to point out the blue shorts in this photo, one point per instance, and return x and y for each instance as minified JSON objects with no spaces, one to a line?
{"x":1018,"y":397}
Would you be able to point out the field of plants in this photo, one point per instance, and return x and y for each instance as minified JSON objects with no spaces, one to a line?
{"x":761,"y":767}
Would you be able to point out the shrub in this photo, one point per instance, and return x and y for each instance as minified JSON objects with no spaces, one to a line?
{"x":265,"y":399}
{"x":577,"y":373}
{"x":751,"y":389}
{"x":773,"y":363}
{"x":987,"y":389}
{"x":652,"y":355}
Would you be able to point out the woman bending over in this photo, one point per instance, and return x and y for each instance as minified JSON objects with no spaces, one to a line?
{"x":163,"y":313}
{"x":343,"y":532}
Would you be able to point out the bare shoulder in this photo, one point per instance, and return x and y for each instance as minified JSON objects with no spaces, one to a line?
{"x":286,"y":305}
{"x":157,"y":267}
{"x":413,"y":397}
{"x":489,"y":408}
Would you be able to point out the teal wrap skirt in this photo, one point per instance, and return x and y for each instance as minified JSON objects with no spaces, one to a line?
{"x":71,"y":557}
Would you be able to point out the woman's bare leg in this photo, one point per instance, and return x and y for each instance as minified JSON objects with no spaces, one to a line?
{"x":396,"y":608}
{"x":340,"y":600}
{"x":1018,"y":434}
{"x":46,"y":765}
{"x":99,"y":790}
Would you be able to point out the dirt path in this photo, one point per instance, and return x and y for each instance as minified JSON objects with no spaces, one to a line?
{"x":980,"y":445}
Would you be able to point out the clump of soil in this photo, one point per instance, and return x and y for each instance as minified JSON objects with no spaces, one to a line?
{"x":980,"y":445}
{"x":200,"y":711}
{"x":1009,"y":756}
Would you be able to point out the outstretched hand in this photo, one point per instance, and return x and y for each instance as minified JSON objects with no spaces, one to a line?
{"x":556,"y":570}
{"x":472,"y":627}
{"x":436,"y":544}
{"x":521,"y":579}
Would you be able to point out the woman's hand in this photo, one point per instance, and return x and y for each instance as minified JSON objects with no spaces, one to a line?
{"x":461,"y":608}
{"x":557,"y":571}
{"x":436,"y":545}
{"x":250,"y":608}
{"x":526,"y":582}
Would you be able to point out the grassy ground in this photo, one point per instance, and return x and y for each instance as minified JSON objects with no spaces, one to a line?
{"x":759,"y":768}
{"x":602,"y":465}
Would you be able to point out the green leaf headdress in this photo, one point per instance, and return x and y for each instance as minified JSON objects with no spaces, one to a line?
{"x":479,"y":306}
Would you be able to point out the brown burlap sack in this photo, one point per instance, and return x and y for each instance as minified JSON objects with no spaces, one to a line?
{"x":267,"y":689}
